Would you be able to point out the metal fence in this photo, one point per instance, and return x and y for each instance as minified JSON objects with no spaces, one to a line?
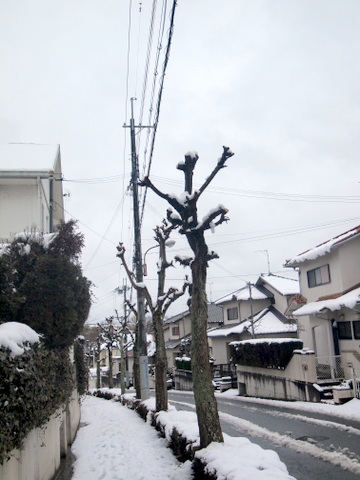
{"x":329,"y":368}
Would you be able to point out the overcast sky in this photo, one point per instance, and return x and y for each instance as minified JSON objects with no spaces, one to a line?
{"x":278,"y":81}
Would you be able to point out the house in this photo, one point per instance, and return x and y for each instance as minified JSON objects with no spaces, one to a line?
{"x":257,"y":310}
{"x":177,"y":332}
{"x":329,"y":323}
{"x":31,"y":193}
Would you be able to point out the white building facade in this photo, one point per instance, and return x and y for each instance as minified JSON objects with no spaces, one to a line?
{"x":31,"y":193}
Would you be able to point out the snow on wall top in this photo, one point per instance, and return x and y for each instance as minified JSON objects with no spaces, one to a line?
{"x":323,"y":248}
{"x":27,"y":156}
{"x":349,"y":300}
{"x":285,"y":286}
{"x":15,"y":336}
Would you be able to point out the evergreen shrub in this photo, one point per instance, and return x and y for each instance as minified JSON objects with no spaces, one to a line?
{"x":32,"y":387}
{"x":266,"y":354}
{"x":183,"y":363}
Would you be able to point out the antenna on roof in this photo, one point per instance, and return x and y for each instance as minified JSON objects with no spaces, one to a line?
{"x":267,"y":257}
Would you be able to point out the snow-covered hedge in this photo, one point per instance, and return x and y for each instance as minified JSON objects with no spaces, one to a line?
{"x":183,"y":363}
{"x":34,"y":383}
{"x":271,"y":353}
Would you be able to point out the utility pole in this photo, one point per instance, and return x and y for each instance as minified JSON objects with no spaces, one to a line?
{"x":251,"y":311}
{"x":142,"y":343}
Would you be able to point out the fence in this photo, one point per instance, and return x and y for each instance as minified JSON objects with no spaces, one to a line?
{"x":329,"y":368}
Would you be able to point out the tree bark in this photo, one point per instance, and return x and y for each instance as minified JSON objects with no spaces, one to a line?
{"x":97,"y":360}
{"x":161,"y":394}
{"x":111,"y":380}
{"x":206,"y":406}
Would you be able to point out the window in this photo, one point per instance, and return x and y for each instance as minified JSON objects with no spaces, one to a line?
{"x":344,"y":330}
{"x":175,"y":330}
{"x":318,"y":276}
{"x":356,"y":326}
{"x":232,"y":313}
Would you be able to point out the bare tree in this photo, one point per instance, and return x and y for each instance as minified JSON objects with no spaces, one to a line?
{"x":158,"y":309}
{"x":186,"y":218}
{"x":125,"y":340}
{"x":110,"y":334}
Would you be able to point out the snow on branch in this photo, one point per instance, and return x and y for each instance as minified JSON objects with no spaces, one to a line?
{"x":227,"y":153}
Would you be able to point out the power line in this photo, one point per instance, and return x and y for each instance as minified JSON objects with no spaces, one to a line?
{"x":157,"y":114}
{"x":270,"y":195}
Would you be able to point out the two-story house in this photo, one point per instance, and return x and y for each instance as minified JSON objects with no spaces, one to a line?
{"x":329,"y":323}
{"x":31,"y":193}
{"x":177,"y":332}
{"x":257,"y":310}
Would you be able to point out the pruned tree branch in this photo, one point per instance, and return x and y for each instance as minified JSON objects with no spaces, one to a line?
{"x":121,"y":254}
{"x":146,"y":182}
{"x":227,"y":153}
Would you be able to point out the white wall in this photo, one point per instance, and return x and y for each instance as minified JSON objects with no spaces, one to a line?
{"x":39,"y":459}
{"x":293,"y":383}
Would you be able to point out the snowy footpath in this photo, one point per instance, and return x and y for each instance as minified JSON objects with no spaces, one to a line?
{"x":114,"y":443}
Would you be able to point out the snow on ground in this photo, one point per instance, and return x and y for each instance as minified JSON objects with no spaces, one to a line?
{"x":116,"y":444}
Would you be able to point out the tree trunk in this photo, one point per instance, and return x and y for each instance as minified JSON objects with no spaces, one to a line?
{"x":161,"y":394}
{"x":122,"y":365}
{"x":97,"y":360}
{"x":136,"y":367}
{"x":111,"y":380}
{"x":206,"y":406}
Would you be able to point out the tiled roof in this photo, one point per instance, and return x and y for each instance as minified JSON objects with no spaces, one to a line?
{"x":285,"y":286}
{"x":350,"y":299}
{"x":323,"y":248}
{"x":267,"y":321}
{"x":244,"y":294}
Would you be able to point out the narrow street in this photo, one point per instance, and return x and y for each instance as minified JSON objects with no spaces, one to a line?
{"x":313,"y":446}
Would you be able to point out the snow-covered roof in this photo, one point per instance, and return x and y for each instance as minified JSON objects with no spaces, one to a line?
{"x":323,"y":248}
{"x":285,"y":286}
{"x":27,"y":157}
{"x":348,"y":300}
{"x":215,"y":315}
{"x":244,"y":294}
{"x":254,"y":341}
{"x":266,"y":322}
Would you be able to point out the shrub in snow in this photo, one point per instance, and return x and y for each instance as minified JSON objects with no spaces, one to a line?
{"x":41,"y":284}
{"x":270,"y":353}
{"x":34,"y":383}
{"x":183,"y":363}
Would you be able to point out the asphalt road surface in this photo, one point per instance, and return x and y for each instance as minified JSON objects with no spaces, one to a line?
{"x":312,"y":446}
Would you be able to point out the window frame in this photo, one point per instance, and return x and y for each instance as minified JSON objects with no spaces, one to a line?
{"x":356,"y":331}
{"x":345,"y":333}
{"x":233,"y":310}
{"x":317,"y":276}
{"x":175,"y":331}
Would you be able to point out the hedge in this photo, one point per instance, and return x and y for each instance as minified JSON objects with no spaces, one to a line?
{"x":32,"y":387}
{"x":265,"y":354}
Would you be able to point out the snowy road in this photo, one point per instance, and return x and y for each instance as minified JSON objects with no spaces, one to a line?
{"x":313,"y":445}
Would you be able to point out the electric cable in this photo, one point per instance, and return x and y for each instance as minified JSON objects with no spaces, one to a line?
{"x":157,"y":113}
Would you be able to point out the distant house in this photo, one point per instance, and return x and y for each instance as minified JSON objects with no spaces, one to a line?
{"x":329,"y":322}
{"x":177,"y":332}
{"x":257,"y":310}
{"x":31,"y":193}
